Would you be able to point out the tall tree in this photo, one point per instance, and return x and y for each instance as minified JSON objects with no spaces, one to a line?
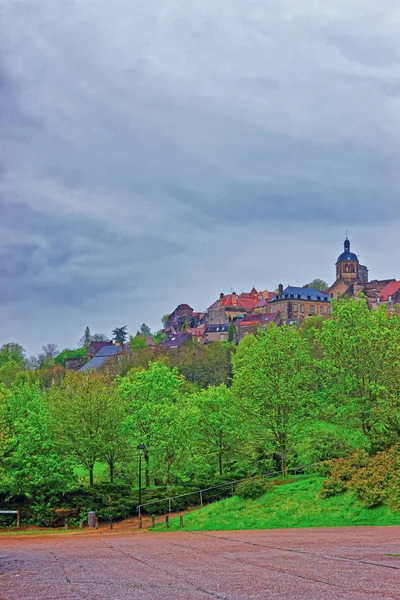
{"x":45,"y":358}
{"x":219,"y":426}
{"x":361,"y":360}
{"x":84,"y":418}
{"x":273,"y":377}
{"x":120,"y":334}
{"x":149,"y":395}
{"x":32,"y":461}
{"x":86,"y":338}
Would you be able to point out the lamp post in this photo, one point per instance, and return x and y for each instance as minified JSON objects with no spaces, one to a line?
{"x":140,"y":449}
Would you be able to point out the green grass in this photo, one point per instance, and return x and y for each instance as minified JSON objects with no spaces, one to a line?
{"x":296,"y":504}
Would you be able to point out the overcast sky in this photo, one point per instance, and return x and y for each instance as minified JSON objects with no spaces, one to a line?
{"x":155,"y":152}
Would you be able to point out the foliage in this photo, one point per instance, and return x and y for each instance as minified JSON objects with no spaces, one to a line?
{"x":361,"y":361}
{"x":32,"y":463}
{"x":87,"y":419}
{"x":219,"y":431}
{"x":120,"y":334}
{"x":12,"y":352}
{"x":251,"y":489}
{"x":67,"y":354}
{"x":318,"y":284}
{"x":138,"y":343}
{"x":150,"y":396}
{"x":231,"y":332}
{"x":375,"y":480}
{"x":274,"y":379}
{"x":99,"y":337}
{"x":45,"y":358}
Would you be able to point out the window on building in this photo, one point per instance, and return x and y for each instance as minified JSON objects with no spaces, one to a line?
{"x":302,"y":308}
{"x":329,"y":310}
{"x":222,"y":337}
{"x":378,"y":300}
{"x":389,"y":298}
{"x":312,"y":309}
{"x":321,"y":310}
{"x":294,"y":307}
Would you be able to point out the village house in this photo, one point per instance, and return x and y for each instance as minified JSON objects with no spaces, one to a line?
{"x":389,"y":296}
{"x":251,"y":323}
{"x":297,"y":303}
{"x":233,"y":305}
{"x":216,"y":333}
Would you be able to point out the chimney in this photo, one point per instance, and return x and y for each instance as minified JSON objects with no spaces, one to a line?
{"x":234,"y":298}
{"x":280,"y":290}
{"x":221,"y":295}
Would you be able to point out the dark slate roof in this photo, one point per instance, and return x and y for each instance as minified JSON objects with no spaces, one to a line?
{"x":345,"y":256}
{"x":176,"y":340}
{"x":217,"y":328}
{"x":302,"y":293}
{"x":101,"y":357}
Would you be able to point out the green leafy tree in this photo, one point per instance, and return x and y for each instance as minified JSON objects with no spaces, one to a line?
{"x":219,"y":426}
{"x":361,"y":361}
{"x":149,"y":395}
{"x":12,"y":352}
{"x":138,"y":343}
{"x":32,"y":463}
{"x":120,"y":334}
{"x":318,"y":284}
{"x":274,"y":379}
{"x":87,"y":420}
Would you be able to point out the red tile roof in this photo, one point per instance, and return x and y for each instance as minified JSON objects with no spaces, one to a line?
{"x":243,"y":300}
{"x":257,"y":319}
{"x":390,"y":289}
{"x":197,"y":331}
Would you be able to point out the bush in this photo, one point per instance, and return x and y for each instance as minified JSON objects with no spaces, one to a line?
{"x":374,"y":480}
{"x":250,"y":489}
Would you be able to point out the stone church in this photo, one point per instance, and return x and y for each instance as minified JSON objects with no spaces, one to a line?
{"x":352,"y":278}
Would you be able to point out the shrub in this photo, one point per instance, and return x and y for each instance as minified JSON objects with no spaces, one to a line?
{"x":250,"y":489}
{"x":374,"y":480}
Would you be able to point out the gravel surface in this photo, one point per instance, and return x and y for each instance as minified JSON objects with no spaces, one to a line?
{"x":291,"y":564}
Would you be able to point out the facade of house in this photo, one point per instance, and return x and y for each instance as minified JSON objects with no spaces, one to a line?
{"x":233,"y":305}
{"x":389,"y":295}
{"x":216,"y":332}
{"x":297,"y":303}
{"x":251,"y":323}
{"x":197,"y":333}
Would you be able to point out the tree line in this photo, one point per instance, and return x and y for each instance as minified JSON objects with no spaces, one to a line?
{"x":284,"y":397}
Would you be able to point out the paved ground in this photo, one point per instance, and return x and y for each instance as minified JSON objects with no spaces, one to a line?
{"x":293,"y":564}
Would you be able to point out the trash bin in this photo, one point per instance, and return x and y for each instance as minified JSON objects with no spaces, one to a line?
{"x":91,"y":519}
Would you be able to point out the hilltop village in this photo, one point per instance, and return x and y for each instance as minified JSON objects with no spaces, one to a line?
{"x":232,"y":316}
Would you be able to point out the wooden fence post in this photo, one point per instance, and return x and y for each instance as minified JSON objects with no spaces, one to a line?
{"x":153,"y":520}
{"x":181,"y":521}
{"x":166,"y":520}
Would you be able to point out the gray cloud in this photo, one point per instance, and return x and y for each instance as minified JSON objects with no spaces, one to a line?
{"x":155,"y":153}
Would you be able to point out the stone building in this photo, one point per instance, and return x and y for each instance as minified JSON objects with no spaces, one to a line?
{"x":350,"y":275}
{"x":230,"y":306}
{"x":297,"y":303}
{"x":352,"y":279}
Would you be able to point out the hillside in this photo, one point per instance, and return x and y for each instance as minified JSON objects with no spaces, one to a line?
{"x":296,"y":504}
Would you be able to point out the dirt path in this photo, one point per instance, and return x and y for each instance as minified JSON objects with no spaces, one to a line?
{"x":295,"y":564}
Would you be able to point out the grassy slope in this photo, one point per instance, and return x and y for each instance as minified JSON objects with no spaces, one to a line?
{"x":293,"y":505}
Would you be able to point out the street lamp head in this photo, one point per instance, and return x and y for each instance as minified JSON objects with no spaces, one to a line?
{"x":140,"y":448}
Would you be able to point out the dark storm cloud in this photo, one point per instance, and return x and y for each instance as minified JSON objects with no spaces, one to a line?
{"x":155,"y":153}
